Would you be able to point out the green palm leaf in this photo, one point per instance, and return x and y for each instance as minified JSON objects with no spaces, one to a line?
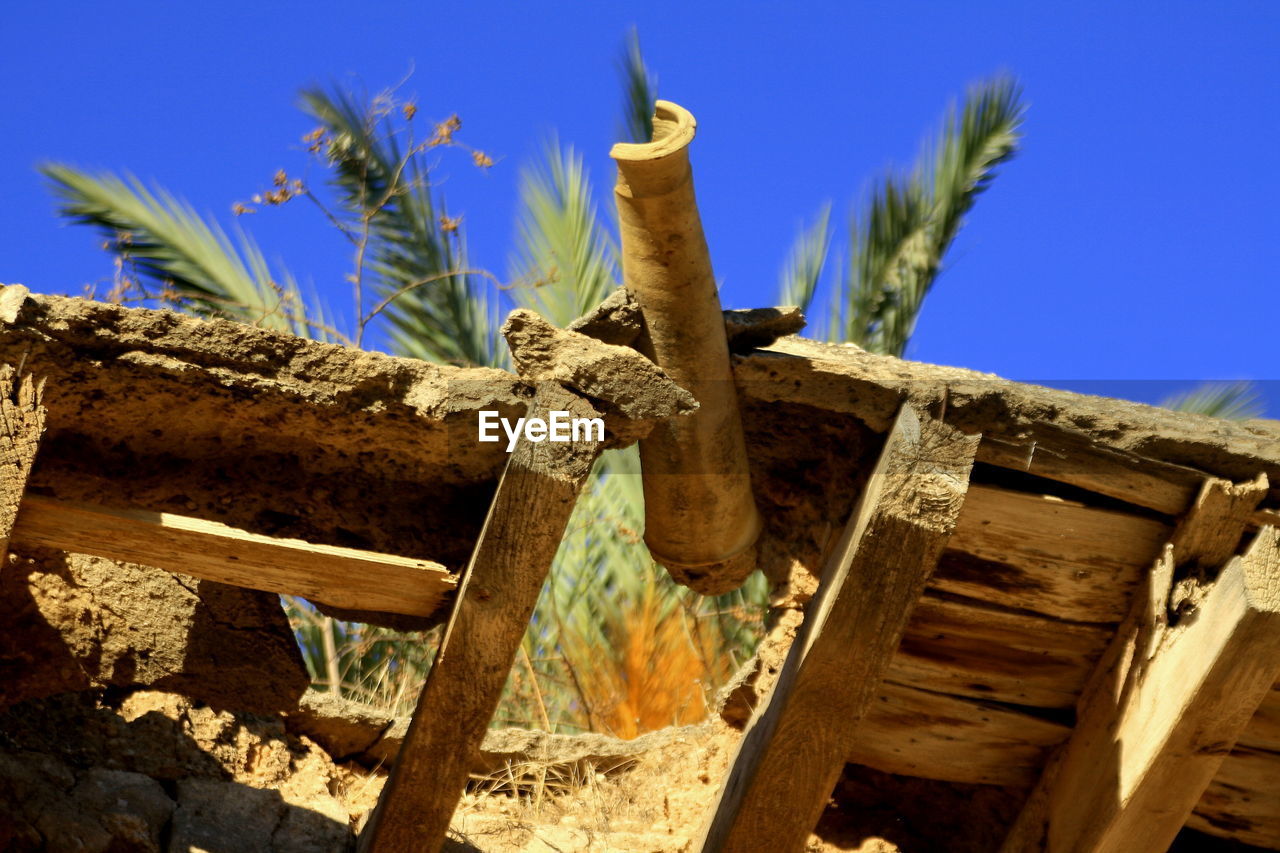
{"x":899,"y":244}
{"x":798,"y":282}
{"x":1230,"y":400}
{"x":566,"y":259}
{"x":436,"y":310}
{"x":172,"y":246}
{"x":639,"y":91}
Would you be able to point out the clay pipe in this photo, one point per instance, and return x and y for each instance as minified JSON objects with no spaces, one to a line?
{"x":701,"y":521}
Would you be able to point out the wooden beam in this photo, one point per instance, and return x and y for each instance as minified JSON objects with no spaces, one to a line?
{"x":341,"y":577}
{"x":22,"y":418}
{"x":914,"y":732}
{"x":1064,"y":559}
{"x":521,"y":534}
{"x":796,"y":744}
{"x":1078,"y":461}
{"x":838,"y":379}
{"x":1241,"y":802}
{"x":1173,"y":692}
{"x":970,"y":648}
{"x":1210,"y":532}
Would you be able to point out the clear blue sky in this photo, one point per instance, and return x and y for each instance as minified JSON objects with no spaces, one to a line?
{"x":1136,"y":235}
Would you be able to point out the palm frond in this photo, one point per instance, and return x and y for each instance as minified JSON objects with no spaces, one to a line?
{"x":1230,"y":400}
{"x":798,"y":281}
{"x":888,"y":262}
{"x":984,"y":135}
{"x":438,"y":312}
{"x":899,"y":244}
{"x":449,"y":317}
{"x":639,"y":91}
{"x":180,"y":252}
{"x":566,"y":260}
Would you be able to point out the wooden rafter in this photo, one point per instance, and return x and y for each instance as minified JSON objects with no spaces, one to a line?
{"x":521,"y":534}
{"x":1187,"y":669}
{"x":796,"y":744}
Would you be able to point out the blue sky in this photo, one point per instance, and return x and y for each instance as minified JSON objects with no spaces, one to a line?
{"x":1134,"y":237}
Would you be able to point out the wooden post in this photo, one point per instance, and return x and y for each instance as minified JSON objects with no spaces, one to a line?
{"x":23,"y":422}
{"x":795,"y":746}
{"x":1180,"y":681}
{"x":520,"y":537}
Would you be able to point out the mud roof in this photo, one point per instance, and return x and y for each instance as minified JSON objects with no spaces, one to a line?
{"x":1071,"y":501}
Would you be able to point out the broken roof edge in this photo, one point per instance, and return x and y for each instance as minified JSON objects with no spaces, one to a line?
{"x":838,"y":378}
{"x":845,"y":378}
{"x":254,"y":357}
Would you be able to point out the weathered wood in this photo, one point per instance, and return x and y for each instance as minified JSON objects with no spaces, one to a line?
{"x":915,"y":732}
{"x":1061,"y":558}
{"x":521,"y":534}
{"x":1138,"y":480}
{"x":23,"y":422}
{"x":328,"y":574}
{"x":1078,"y":461}
{"x":970,"y":648}
{"x":796,"y":744}
{"x":1167,"y":702}
{"x":1210,"y":533}
{"x":836,"y":378}
{"x":1264,"y":729}
{"x":1243,"y":800}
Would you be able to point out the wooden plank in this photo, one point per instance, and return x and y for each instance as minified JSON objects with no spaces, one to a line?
{"x":521,"y":534}
{"x":1061,"y":558}
{"x":915,"y":732}
{"x":22,"y":418}
{"x":1167,"y":701}
{"x":796,"y":744}
{"x":328,"y":574}
{"x":971,"y":648}
{"x":1263,"y":731}
{"x":1243,"y":800}
{"x":1077,"y":461}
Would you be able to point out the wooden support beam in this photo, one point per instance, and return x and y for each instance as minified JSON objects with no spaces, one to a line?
{"x":797,"y":742}
{"x":1176,"y":687}
{"x":22,"y":419}
{"x":328,"y":574}
{"x":1241,"y":802}
{"x":1065,"y":559}
{"x":521,"y":534}
{"x":914,"y":732}
{"x":970,"y":648}
{"x":1076,"y":460}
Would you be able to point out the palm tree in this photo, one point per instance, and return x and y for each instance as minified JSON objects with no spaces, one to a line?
{"x":410,"y":273}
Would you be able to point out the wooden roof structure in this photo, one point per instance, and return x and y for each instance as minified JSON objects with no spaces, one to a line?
{"x":1055,"y":625}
